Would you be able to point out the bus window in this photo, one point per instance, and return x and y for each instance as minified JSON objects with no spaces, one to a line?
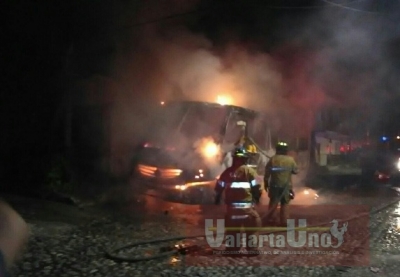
{"x":166,"y":121}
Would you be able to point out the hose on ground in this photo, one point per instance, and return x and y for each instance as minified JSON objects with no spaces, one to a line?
{"x":115,"y":257}
{"x":110,"y":254}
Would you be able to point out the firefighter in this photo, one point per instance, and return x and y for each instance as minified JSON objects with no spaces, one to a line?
{"x":278,"y":182}
{"x":241,"y":194}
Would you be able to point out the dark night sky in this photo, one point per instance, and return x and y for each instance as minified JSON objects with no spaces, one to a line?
{"x":51,"y":45}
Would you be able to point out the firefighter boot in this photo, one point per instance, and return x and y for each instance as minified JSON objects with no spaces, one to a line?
{"x":253,"y":222}
{"x":284,"y":215}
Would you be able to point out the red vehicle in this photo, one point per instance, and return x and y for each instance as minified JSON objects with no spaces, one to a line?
{"x":390,"y":173}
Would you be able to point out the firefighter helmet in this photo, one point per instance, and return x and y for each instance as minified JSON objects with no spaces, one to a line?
{"x":281,"y":147}
{"x":240,"y":152}
{"x":251,"y":149}
{"x":247,"y":144}
{"x":240,"y":156}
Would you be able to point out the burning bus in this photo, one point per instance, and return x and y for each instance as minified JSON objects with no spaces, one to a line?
{"x":193,"y":141}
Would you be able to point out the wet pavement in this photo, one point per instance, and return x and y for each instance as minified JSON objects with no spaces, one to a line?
{"x":193,"y":205}
{"x":72,"y":241}
{"x":384,"y":247}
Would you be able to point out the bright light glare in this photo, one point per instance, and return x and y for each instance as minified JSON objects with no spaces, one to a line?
{"x":210,"y":150}
{"x":180,"y":187}
{"x":306,"y":192}
{"x":174,"y":260}
{"x":398,"y":164}
{"x":224,"y":100}
{"x":162,"y":102}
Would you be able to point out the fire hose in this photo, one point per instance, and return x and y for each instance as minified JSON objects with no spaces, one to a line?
{"x":110,"y":254}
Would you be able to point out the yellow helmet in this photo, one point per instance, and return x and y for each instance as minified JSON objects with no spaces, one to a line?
{"x":251,"y":148}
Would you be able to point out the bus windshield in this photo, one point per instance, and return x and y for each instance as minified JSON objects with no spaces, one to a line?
{"x":203,"y":121}
{"x":193,"y":122}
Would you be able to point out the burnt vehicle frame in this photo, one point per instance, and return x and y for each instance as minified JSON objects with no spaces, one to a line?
{"x":147,"y":166}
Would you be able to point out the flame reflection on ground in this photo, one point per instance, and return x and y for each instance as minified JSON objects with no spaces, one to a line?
{"x":305,"y":196}
{"x":396,"y":213}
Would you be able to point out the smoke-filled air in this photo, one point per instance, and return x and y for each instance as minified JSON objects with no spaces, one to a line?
{"x":334,"y":56}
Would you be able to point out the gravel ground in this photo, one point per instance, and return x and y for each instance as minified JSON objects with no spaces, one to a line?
{"x":77,"y":248}
{"x":384,"y":246}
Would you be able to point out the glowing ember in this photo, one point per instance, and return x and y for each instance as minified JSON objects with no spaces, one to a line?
{"x":174,"y":260}
{"x":224,"y":100}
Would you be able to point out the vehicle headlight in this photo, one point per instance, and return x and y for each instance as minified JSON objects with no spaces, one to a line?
{"x":180,"y":187}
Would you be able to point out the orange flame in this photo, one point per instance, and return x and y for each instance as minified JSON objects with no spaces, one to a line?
{"x":224,"y":100}
{"x":208,"y":148}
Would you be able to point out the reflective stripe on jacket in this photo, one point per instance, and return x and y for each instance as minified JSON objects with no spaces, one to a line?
{"x":238,"y":184}
{"x":279,"y":170}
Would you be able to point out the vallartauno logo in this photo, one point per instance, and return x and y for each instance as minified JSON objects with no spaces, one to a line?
{"x":312,"y":239}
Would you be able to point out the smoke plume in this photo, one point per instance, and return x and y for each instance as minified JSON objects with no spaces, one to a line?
{"x":335,"y":56}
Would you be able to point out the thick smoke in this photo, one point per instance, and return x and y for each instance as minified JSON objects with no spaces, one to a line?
{"x":352,"y":62}
{"x":336,"y":57}
{"x":169,"y":64}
